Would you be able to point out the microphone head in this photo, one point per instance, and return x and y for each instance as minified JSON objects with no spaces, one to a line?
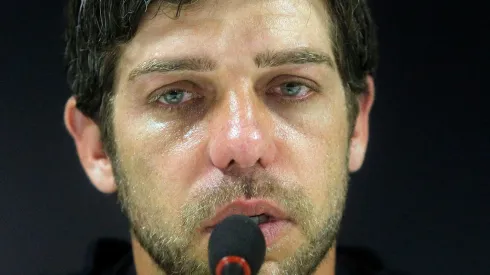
{"x":240,"y":236}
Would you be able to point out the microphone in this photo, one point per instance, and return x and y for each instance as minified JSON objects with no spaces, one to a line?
{"x":236,"y":247}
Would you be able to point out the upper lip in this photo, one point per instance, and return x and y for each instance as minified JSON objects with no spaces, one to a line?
{"x":249,"y":208}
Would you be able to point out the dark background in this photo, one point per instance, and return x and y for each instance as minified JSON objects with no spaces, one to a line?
{"x":421,"y":200}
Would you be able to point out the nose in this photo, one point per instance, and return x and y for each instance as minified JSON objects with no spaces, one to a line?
{"x":241,"y":133}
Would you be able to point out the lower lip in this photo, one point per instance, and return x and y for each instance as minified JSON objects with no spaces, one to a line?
{"x":272,"y":230}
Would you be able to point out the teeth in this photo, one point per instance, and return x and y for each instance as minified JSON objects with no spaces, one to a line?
{"x":255,"y":219}
{"x":263,"y":219}
{"x":260,"y":219}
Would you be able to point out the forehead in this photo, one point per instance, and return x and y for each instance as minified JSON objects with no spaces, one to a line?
{"x":229,"y":29}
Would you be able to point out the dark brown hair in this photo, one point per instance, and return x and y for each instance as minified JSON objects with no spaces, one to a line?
{"x":96,"y":29}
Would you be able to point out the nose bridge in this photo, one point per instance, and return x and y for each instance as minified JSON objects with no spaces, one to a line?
{"x":242,"y":133}
{"x":242,"y":118}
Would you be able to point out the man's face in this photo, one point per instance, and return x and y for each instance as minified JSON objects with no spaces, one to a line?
{"x":234,"y":100}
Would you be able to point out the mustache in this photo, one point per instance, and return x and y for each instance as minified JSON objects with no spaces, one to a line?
{"x":203,"y":202}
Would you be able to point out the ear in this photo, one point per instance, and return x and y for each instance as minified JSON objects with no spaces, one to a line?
{"x":86,"y":134}
{"x":360,"y":135}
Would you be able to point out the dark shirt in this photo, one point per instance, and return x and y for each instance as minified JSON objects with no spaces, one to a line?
{"x":114,"y":257}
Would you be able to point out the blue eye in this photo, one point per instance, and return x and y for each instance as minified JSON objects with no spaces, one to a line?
{"x":293,"y":89}
{"x":174,"y":97}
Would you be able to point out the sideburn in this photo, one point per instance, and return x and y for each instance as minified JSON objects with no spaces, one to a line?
{"x":106,"y":126}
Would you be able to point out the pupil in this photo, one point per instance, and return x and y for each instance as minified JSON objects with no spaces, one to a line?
{"x":174,"y":97}
{"x":292,"y":88}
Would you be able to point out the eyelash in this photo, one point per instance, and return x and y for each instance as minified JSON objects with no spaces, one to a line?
{"x":293,"y":100}
{"x":188,"y":104}
{"x":170,"y":108}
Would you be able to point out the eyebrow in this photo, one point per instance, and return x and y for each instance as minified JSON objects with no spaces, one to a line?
{"x":173,"y":65}
{"x":292,"y":57}
{"x":262,"y":60}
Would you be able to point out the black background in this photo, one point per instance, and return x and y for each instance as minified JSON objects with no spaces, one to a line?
{"x":421,"y":200}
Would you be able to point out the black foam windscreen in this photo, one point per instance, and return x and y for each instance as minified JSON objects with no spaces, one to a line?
{"x":240,"y":236}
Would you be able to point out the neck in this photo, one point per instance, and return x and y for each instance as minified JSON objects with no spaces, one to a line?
{"x":142,"y":260}
{"x":145,"y":265}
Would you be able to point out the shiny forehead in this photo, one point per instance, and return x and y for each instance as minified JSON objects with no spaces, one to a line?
{"x":251,"y":27}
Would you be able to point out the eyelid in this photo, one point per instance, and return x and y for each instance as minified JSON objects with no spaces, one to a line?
{"x":179,"y":85}
{"x":284,"y":79}
{"x":308,"y":84}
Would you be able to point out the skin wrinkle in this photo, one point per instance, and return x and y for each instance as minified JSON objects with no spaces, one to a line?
{"x":145,"y":209}
{"x":237,"y":140}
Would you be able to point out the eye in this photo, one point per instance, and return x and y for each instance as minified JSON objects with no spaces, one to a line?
{"x":293,"y":90}
{"x":174,"y":96}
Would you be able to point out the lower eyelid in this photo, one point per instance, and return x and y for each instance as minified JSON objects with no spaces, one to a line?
{"x":290,"y":99}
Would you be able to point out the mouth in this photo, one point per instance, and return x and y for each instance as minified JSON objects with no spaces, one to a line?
{"x":262,"y":218}
{"x":271,"y":219}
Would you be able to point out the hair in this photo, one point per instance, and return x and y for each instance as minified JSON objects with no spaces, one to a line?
{"x":96,"y":30}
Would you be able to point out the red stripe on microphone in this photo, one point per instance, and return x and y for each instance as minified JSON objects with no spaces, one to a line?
{"x":233,"y":260}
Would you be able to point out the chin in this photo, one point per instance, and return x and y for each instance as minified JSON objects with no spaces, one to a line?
{"x":269,"y":268}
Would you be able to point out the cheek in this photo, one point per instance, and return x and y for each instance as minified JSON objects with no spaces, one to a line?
{"x":157,"y":157}
{"x":316,"y":149}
